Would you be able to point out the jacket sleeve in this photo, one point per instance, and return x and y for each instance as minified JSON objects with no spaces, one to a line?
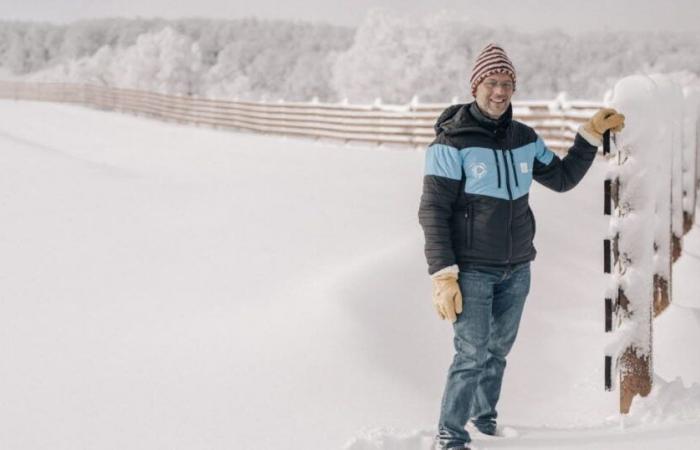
{"x":441,"y":185}
{"x":562,"y":174}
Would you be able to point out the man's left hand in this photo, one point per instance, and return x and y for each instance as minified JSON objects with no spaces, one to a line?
{"x":602,"y":121}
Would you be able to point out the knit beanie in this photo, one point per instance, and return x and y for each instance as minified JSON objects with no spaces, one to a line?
{"x":492,"y":59}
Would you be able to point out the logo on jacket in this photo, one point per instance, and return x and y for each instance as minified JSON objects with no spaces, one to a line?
{"x":478,"y":170}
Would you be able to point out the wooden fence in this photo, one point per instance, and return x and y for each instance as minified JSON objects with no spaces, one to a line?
{"x":649,"y":196}
{"x":410,"y":124}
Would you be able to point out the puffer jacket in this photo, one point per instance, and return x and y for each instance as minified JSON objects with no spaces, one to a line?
{"x":478,"y":172}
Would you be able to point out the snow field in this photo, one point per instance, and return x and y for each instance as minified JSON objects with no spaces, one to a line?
{"x":183,"y":288}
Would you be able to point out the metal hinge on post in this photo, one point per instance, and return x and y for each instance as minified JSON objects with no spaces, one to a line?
{"x":607,"y":263}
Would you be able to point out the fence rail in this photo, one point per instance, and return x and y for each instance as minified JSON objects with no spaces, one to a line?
{"x":410,"y":124}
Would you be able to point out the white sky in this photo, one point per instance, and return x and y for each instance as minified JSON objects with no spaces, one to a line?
{"x":570,"y":15}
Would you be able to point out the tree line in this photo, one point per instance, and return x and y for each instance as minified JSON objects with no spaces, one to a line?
{"x":387,"y":56}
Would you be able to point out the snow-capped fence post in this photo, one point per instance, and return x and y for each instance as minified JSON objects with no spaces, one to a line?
{"x":631,"y":294}
{"x":676,"y":126}
{"x":668,"y":216}
{"x":82,"y":94}
{"x":691,"y":141}
{"x":118,"y":101}
{"x":697,"y":157}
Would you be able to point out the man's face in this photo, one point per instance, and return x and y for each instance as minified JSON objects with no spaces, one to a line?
{"x":494,"y":93}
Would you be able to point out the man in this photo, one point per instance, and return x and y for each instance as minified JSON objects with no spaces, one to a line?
{"x":479,"y":229}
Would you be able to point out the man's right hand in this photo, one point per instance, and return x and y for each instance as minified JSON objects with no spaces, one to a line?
{"x":447,"y":297}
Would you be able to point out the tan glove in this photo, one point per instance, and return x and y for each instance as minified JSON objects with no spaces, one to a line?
{"x":605,"y":119}
{"x":447,"y":297}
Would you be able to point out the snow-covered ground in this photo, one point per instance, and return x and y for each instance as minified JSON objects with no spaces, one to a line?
{"x":168,"y":287}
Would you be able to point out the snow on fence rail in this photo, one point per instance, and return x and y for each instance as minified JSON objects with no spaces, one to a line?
{"x":652,"y":184}
{"x":556,"y":121}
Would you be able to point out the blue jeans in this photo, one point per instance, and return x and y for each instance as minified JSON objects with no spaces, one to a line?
{"x":484,"y":334}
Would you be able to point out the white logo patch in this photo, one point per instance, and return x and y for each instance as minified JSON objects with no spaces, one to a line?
{"x":478,"y":170}
{"x":523,"y":167}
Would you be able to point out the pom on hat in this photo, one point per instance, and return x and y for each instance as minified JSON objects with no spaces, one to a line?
{"x":492,"y":59}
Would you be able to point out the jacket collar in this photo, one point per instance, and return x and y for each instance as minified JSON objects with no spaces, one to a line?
{"x":489,"y":123}
{"x":468,"y":118}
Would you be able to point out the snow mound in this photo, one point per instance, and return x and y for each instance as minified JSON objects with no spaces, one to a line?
{"x":668,"y":402}
{"x":501,"y":433}
{"x":388,"y":439}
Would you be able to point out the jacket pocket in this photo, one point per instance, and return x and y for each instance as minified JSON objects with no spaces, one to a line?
{"x":469,"y":226}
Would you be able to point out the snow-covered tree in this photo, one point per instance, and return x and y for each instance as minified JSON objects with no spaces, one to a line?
{"x":166,"y":61}
{"x":289,"y":61}
{"x":163,"y":61}
{"x":388,"y":55}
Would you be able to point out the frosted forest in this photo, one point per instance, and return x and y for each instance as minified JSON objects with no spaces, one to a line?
{"x":387,"y":57}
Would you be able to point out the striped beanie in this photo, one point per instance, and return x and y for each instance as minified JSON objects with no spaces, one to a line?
{"x":492,"y":59}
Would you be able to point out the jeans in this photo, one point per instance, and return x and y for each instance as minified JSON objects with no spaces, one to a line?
{"x":493,"y":300}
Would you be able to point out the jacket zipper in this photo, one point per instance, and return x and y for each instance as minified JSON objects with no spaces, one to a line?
{"x":510,"y":208}
{"x":512,"y":164}
{"x":498,"y":167}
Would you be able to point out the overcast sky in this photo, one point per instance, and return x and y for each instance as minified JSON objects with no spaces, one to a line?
{"x":529,"y":15}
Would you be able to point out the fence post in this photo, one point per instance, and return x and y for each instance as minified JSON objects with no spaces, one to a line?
{"x":697,"y":155}
{"x":667,"y":243}
{"x":677,"y":172}
{"x":691,"y":95}
{"x":635,"y":368}
{"x":636,"y":360}
{"x":630,"y":297}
